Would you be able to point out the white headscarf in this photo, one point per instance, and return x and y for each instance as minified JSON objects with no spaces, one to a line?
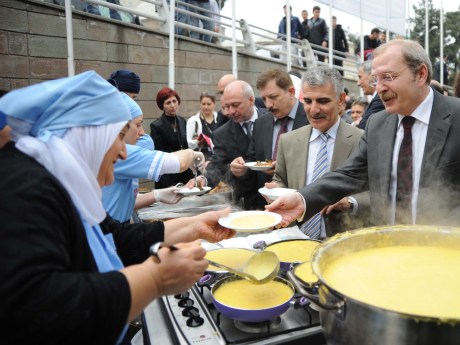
{"x":75,"y":161}
{"x":68,"y":125}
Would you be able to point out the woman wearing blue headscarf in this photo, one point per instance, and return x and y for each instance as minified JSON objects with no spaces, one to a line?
{"x":62,"y":280}
{"x":121,"y":197}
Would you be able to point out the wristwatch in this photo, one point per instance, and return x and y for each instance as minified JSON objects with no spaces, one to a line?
{"x":352,"y":204}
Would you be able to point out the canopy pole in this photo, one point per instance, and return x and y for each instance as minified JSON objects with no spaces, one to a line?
{"x":234,"y":51}
{"x":69,"y":32}
{"x":171,"y":63}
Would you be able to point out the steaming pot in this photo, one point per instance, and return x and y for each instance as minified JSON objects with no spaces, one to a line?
{"x":347,"y":320}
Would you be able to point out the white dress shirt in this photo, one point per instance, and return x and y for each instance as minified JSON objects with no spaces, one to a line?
{"x":252,"y":119}
{"x":313,"y":148}
{"x":419,"y":131}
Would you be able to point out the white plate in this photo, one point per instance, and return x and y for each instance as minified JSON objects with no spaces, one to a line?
{"x":252,"y":166}
{"x":193,"y":191}
{"x":275,"y":193}
{"x":254,"y":225}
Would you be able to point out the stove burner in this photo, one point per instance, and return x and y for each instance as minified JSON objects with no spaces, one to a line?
{"x":258,"y":327}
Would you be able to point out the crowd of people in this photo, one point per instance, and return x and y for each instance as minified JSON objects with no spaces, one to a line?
{"x":72,"y":256}
{"x":316,"y":31}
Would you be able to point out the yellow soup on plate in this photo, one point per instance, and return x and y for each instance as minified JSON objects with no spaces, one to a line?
{"x":254,"y":221}
{"x":243,"y":294}
{"x":232,"y":257}
{"x":416,"y":280}
{"x":293,"y":251}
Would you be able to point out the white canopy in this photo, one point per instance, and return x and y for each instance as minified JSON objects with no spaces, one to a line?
{"x":388,"y":14}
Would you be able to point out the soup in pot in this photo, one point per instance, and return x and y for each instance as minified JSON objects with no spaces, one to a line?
{"x":293,"y":251}
{"x":305,"y":273}
{"x":416,"y":280}
{"x":243,"y":294}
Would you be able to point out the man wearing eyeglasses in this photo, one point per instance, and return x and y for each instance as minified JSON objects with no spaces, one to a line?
{"x":408,"y":157}
{"x":376,"y":104}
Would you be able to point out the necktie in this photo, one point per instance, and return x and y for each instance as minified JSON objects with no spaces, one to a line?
{"x":312,"y":227}
{"x":404,"y":175}
{"x":283,"y":129}
{"x":248,"y":127}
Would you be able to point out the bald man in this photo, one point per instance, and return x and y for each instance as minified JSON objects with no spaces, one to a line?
{"x":221,"y":84}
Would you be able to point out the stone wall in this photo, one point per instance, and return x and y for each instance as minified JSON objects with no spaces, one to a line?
{"x":33,"y":48}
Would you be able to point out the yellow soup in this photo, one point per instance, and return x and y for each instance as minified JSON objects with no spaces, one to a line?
{"x":232,"y":257}
{"x":255,"y":221}
{"x":293,"y":251}
{"x":304,"y":272}
{"x":243,"y":294}
{"x":422,"y":280}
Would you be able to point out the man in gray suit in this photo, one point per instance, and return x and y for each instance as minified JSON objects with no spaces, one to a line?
{"x":421,"y":124}
{"x":323,"y":92}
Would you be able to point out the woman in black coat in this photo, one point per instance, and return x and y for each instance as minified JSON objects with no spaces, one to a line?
{"x":169,"y":134}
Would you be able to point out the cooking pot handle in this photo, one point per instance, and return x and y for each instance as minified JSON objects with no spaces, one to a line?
{"x":338,"y":307}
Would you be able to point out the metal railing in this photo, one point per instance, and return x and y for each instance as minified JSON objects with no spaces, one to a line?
{"x":250,"y":39}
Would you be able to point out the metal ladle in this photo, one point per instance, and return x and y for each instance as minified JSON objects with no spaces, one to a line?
{"x":260,"y":267}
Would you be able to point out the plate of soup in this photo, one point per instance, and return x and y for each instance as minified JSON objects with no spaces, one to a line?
{"x":250,"y":221}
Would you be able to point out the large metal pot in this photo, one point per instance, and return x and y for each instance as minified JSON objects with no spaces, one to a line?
{"x":250,"y":315}
{"x":347,"y":320}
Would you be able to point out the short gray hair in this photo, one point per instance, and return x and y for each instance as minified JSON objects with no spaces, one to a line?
{"x":366,"y":66}
{"x":413,"y":53}
{"x":319,"y":76}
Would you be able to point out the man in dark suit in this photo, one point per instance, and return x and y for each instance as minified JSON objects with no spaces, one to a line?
{"x":376,"y":104}
{"x":298,"y":150}
{"x":408,"y":157}
{"x":232,"y":140}
{"x":287,"y":113}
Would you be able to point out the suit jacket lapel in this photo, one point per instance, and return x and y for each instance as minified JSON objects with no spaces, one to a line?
{"x":238,"y":136}
{"x":300,"y":117}
{"x":438,"y":130}
{"x":386,"y":145}
{"x":302,"y":144}
{"x":267,"y":129}
{"x":343,"y":146}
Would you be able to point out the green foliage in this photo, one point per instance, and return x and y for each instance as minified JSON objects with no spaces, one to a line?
{"x":451,"y":34}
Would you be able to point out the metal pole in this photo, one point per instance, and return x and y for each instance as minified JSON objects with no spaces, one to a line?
{"x":408,"y":16}
{"x":427,"y":30}
{"x":171,"y":64}
{"x":441,"y":46}
{"x":288,"y":36}
{"x":331,"y":37}
{"x":234,"y":52}
{"x":69,"y":32}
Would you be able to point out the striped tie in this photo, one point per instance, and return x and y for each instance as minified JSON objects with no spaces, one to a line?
{"x":312,"y":227}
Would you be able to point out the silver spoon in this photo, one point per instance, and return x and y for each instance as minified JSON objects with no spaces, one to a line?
{"x":260,"y":267}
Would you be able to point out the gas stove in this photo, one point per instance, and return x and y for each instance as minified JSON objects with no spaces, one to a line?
{"x":191,"y":318}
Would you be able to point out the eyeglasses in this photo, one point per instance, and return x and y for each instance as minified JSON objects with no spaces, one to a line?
{"x":220,"y":93}
{"x":385,"y":78}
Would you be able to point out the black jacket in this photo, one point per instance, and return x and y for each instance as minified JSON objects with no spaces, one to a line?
{"x":168,"y":140}
{"x":340,"y":40}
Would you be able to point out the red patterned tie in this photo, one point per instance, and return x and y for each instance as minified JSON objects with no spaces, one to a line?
{"x":404,"y":175}
{"x":283,"y":129}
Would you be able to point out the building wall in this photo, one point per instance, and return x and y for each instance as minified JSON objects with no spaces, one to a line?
{"x":33,"y":48}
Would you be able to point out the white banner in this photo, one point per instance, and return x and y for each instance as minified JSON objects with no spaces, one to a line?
{"x":385,"y":14}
